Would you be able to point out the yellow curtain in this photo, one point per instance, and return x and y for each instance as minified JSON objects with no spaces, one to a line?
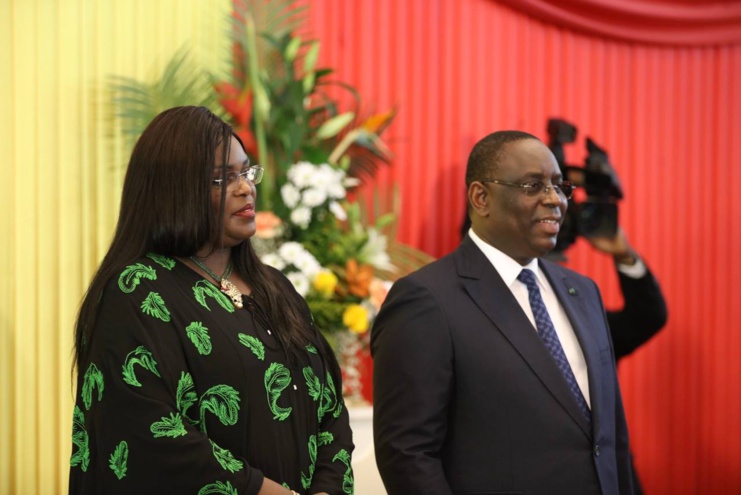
{"x":62,"y":166}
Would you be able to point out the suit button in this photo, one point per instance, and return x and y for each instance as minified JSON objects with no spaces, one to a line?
{"x":596,"y":450}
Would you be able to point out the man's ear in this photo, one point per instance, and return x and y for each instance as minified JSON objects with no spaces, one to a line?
{"x":479,"y":198}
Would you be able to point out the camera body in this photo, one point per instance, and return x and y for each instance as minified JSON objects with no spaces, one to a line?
{"x":597,"y":215}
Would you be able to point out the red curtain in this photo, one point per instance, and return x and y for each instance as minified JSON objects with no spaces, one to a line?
{"x":669,"y":116}
{"x":674,"y":22}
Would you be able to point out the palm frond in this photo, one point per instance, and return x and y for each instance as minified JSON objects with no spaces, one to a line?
{"x":136,"y":103}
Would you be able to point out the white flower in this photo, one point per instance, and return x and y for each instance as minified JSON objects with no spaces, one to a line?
{"x":313,"y":197}
{"x":290,"y":251}
{"x":336,"y":191}
{"x":308,"y":265}
{"x":324,"y":177}
{"x":274,"y":260}
{"x":290,"y":195}
{"x":302,"y":174}
{"x":338,"y":211}
{"x":300,"y":282}
{"x":374,"y":252}
{"x":301,"y":216}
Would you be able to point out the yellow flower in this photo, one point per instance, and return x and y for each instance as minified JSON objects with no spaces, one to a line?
{"x":356,"y":318}
{"x":325,"y":283}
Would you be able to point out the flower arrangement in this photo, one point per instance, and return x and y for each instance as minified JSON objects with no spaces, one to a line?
{"x":316,"y":154}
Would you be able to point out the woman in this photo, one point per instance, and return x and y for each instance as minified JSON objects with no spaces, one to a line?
{"x":199,"y":368}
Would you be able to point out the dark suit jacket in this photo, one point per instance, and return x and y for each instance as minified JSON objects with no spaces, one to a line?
{"x":468,"y":400}
{"x":643,"y":315}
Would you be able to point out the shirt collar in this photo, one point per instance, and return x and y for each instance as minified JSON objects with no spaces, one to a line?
{"x":507,"y":267}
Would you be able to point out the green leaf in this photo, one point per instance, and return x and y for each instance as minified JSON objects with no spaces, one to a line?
{"x":198,"y":334}
{"x":171,"y":426}
{"x":221,"y":400}
{"x":329,"y":401}
{"x":154,"y":305}
{"x":325,"y":437}
{"x":312,"y":381}
{"x":311,"y":57}
{"x":93,"y":378}
{"x":277,"y":379}
{"x":348,"y":481}
{"x":204,"y":288}
{"x":130,"y":277}
{"x":226,"y":459}
{"x":163,"y":261}
{"x":292,"y":49}
{"x":142,"y":357}
{"x":311,"y":348}
{"x":333,"y":126}
{"x":80,"y":439}
{"x":253,"y":344}
{"x":119,"y":458}
{"x":218,"y":488}
{"x":186,"y":395}
{"x":306,"y":479}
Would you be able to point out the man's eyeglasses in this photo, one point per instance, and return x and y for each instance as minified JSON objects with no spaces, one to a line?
{"x":253,"y":174}
{"x":536,"y":187}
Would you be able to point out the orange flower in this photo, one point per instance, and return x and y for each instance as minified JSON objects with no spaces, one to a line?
{"x":378,"y":290}
{"x":378,"y":122}
{"x":268,"y":224}
{"x":358,"y":278}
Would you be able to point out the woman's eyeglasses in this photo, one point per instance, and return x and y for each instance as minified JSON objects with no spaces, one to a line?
{"x":253,"y":174}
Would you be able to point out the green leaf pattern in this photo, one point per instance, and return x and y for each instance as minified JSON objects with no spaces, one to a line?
{"x":118,"y":460}
{"x":223,"y":401}
{"x":142,"y":357}
{"x":312,"y":382}
{"x":306,"y":479}
{"x":80,"y":439}
{"x":163,"y":261}
{"x":204,"y":289}
{"x":218,"y":488}
{"x":132,"y":274}
{"x":198,"y":334}
{"x":277,"y":379}
{"x":329,"y":402}
{"x":186,"y":395}
{"x":154,"y":305}
{"x":93,"y":378}
{"x":226,"y":459}
{"x":325,"y":438}
{"x":348,"y":482}
{"x":253,"y":344}
{"x":171,"y":427}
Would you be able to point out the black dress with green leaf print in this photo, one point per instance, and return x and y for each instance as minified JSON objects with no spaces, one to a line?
{"x":184,"y":394}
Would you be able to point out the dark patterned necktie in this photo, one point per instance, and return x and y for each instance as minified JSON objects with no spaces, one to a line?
{"x":548,"y":334}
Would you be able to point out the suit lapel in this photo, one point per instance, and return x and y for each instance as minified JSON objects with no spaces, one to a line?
{"x":486,"y":288}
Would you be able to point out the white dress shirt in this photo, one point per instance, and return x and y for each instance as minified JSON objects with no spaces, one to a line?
{"x":509,"y":269}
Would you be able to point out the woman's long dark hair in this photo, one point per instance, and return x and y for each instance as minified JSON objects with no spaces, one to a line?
{"x":166,"y":208}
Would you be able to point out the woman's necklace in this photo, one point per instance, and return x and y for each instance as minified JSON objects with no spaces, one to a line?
{"x":227,"y":287}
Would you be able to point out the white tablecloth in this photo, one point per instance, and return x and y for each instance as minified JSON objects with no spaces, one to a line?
{"x":367,"y":479}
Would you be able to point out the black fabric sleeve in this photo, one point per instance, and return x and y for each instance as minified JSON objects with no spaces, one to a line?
{"x":644,"y":313}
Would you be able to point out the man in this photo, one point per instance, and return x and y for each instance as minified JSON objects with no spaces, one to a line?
{"x":493,"y":379}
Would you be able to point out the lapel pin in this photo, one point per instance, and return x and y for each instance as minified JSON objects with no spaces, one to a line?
{"x":572,"y":291}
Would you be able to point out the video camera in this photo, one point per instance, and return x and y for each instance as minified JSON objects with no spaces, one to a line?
{"x":597,"y":216}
